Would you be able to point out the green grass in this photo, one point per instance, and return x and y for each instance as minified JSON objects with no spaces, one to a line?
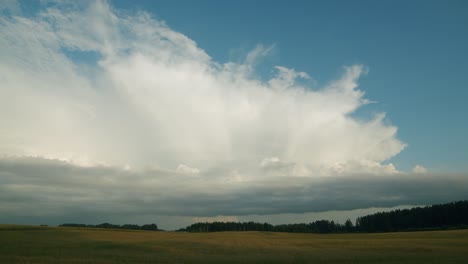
{"x":28,"y":244}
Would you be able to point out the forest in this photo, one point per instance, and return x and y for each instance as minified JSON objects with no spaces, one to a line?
{"x":442,"y":216}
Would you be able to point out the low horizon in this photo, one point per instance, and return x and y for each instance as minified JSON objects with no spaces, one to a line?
{"x":177,"y":112}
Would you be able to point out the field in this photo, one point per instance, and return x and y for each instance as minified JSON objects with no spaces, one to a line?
{"x":29,"y":244}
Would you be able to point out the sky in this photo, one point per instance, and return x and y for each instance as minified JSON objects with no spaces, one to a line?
{"x":176,"y":112}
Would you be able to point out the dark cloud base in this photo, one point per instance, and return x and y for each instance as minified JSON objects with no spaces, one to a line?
{"x":49,"y":189}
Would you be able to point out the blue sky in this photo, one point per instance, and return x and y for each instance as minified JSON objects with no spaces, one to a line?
{"x":185,"y":111}
{"x":416,"y":52}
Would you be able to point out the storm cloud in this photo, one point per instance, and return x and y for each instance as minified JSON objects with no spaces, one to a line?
{"x":37,"y":186}
{"x":87,"y":85}
{"x":105,"y":112}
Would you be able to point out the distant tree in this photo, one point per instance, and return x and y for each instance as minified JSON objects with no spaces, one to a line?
{"x":348,"y":226}
{"x":150,"y":227}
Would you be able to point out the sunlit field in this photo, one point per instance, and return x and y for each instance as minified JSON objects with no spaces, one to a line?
{"x":27,"y":244}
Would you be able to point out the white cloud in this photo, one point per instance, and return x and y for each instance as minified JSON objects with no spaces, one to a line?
{"x":257,"y":53}
{"x":148,"y":96}
{"x":269,"y":161}
{"x":419,"y":169}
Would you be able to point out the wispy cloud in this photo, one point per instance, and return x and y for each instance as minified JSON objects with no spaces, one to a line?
{"x":10,"y":7}
{"x":419,"y":169}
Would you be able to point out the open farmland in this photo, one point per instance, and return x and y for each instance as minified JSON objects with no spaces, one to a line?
{"x":28,"y":244}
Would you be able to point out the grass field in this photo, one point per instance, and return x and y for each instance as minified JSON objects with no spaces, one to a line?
{"x":28,"y":244}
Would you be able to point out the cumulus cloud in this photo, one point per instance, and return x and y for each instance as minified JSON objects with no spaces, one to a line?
{"x":85,"y":84}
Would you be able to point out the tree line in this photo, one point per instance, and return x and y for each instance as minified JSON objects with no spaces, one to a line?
{"x":438,"y":216}
{"x":321,"y":226}
{"x":148,"y":227}
{"x":441,"y":216}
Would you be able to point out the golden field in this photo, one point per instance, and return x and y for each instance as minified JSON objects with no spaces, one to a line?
{"x":32,"y":244}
